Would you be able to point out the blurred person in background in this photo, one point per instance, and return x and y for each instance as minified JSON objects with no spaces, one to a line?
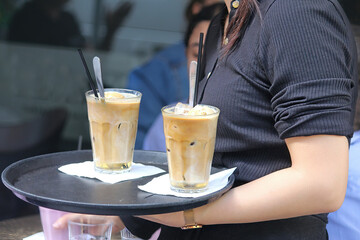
{"x":154,"y":139}
{"x":6,"y":9}
{"x":163,"y":79}
{"x":47,"y":22}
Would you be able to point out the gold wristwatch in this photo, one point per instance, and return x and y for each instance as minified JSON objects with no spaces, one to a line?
{"x":189,"y":220}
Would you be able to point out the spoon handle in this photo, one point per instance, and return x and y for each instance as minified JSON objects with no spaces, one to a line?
{"x":192,"y":79}
{"x":97,"y":70}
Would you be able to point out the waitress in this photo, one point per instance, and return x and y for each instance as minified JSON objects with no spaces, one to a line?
{"x":284,"y":75}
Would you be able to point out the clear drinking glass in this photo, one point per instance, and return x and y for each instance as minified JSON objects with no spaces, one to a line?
{"x":127,"y":235}
{"x":113,"y":127}
{"x":190,"y":142}
{"x":87,"y":229}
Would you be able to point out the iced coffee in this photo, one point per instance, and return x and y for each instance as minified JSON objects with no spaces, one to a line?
{"x":190,"y":140}
{"x":113,"y":126}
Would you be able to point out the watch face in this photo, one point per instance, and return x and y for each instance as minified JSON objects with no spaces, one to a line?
{"x":191,"y":226}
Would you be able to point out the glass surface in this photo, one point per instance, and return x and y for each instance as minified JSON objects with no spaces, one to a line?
{"x":190,"y":142}
{"x":113,"y":126}
{"x":127,"y":235}
{"x":89,"y":229}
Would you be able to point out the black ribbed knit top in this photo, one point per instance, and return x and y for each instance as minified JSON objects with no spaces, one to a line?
{"x":294,"y":73}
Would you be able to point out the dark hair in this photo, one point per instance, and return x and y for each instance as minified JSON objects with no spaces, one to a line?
{"x":239,"y":22}
{"x":189,"y":6}
{"x":206,"y":14}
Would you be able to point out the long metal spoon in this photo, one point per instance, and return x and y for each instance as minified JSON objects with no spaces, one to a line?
{"x":97,"y":70}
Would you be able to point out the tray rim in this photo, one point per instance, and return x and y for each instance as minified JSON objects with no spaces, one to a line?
{"x":102,"y":208}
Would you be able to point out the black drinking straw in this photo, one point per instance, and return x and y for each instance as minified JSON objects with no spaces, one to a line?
{"x":198,"y":69}
{"x":91,"y":82}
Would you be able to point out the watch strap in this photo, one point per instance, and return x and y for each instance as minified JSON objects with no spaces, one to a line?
{"x":189,"y":220}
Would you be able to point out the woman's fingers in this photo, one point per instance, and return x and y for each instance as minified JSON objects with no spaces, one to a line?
{"x":62,"y":222}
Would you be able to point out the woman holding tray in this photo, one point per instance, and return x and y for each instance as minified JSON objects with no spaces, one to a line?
{"x":284,"y":75}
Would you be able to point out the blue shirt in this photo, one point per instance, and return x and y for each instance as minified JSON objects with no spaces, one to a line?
{"x":162,"y":80}
{"x":345,"y":222}
{"x":155,"y":138}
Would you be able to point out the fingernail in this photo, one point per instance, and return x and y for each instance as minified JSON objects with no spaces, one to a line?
{"x":56,"y":225}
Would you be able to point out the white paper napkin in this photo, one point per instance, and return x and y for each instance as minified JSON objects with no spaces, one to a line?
{"x":36,"y":236}
{"x":86,"y":169}
{"x":161,"y":185}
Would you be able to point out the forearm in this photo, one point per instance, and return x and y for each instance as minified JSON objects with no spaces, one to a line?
{"x":314,"y":184}
{"x":268,"y":198}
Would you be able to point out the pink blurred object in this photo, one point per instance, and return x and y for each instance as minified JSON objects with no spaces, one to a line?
{"x":48,"y":217}
{"x":156,"y":234}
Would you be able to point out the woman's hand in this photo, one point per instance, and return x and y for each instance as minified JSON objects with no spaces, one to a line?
{"x":62,"y":222}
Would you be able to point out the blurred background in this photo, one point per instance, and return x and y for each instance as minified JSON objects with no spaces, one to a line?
{"x":38,"y":73}
{"x":42,"y":79}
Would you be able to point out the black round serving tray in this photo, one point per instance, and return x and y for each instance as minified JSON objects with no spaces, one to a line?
{"x":37,"y":180}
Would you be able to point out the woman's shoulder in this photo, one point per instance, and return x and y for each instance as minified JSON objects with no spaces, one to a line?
{"x":303,"y":7}
{"x":303,"y":15}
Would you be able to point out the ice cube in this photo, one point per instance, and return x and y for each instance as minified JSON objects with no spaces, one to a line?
{"x":113,"y":95}
{"x":200,"y":110}
{"x":182,"y":108}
